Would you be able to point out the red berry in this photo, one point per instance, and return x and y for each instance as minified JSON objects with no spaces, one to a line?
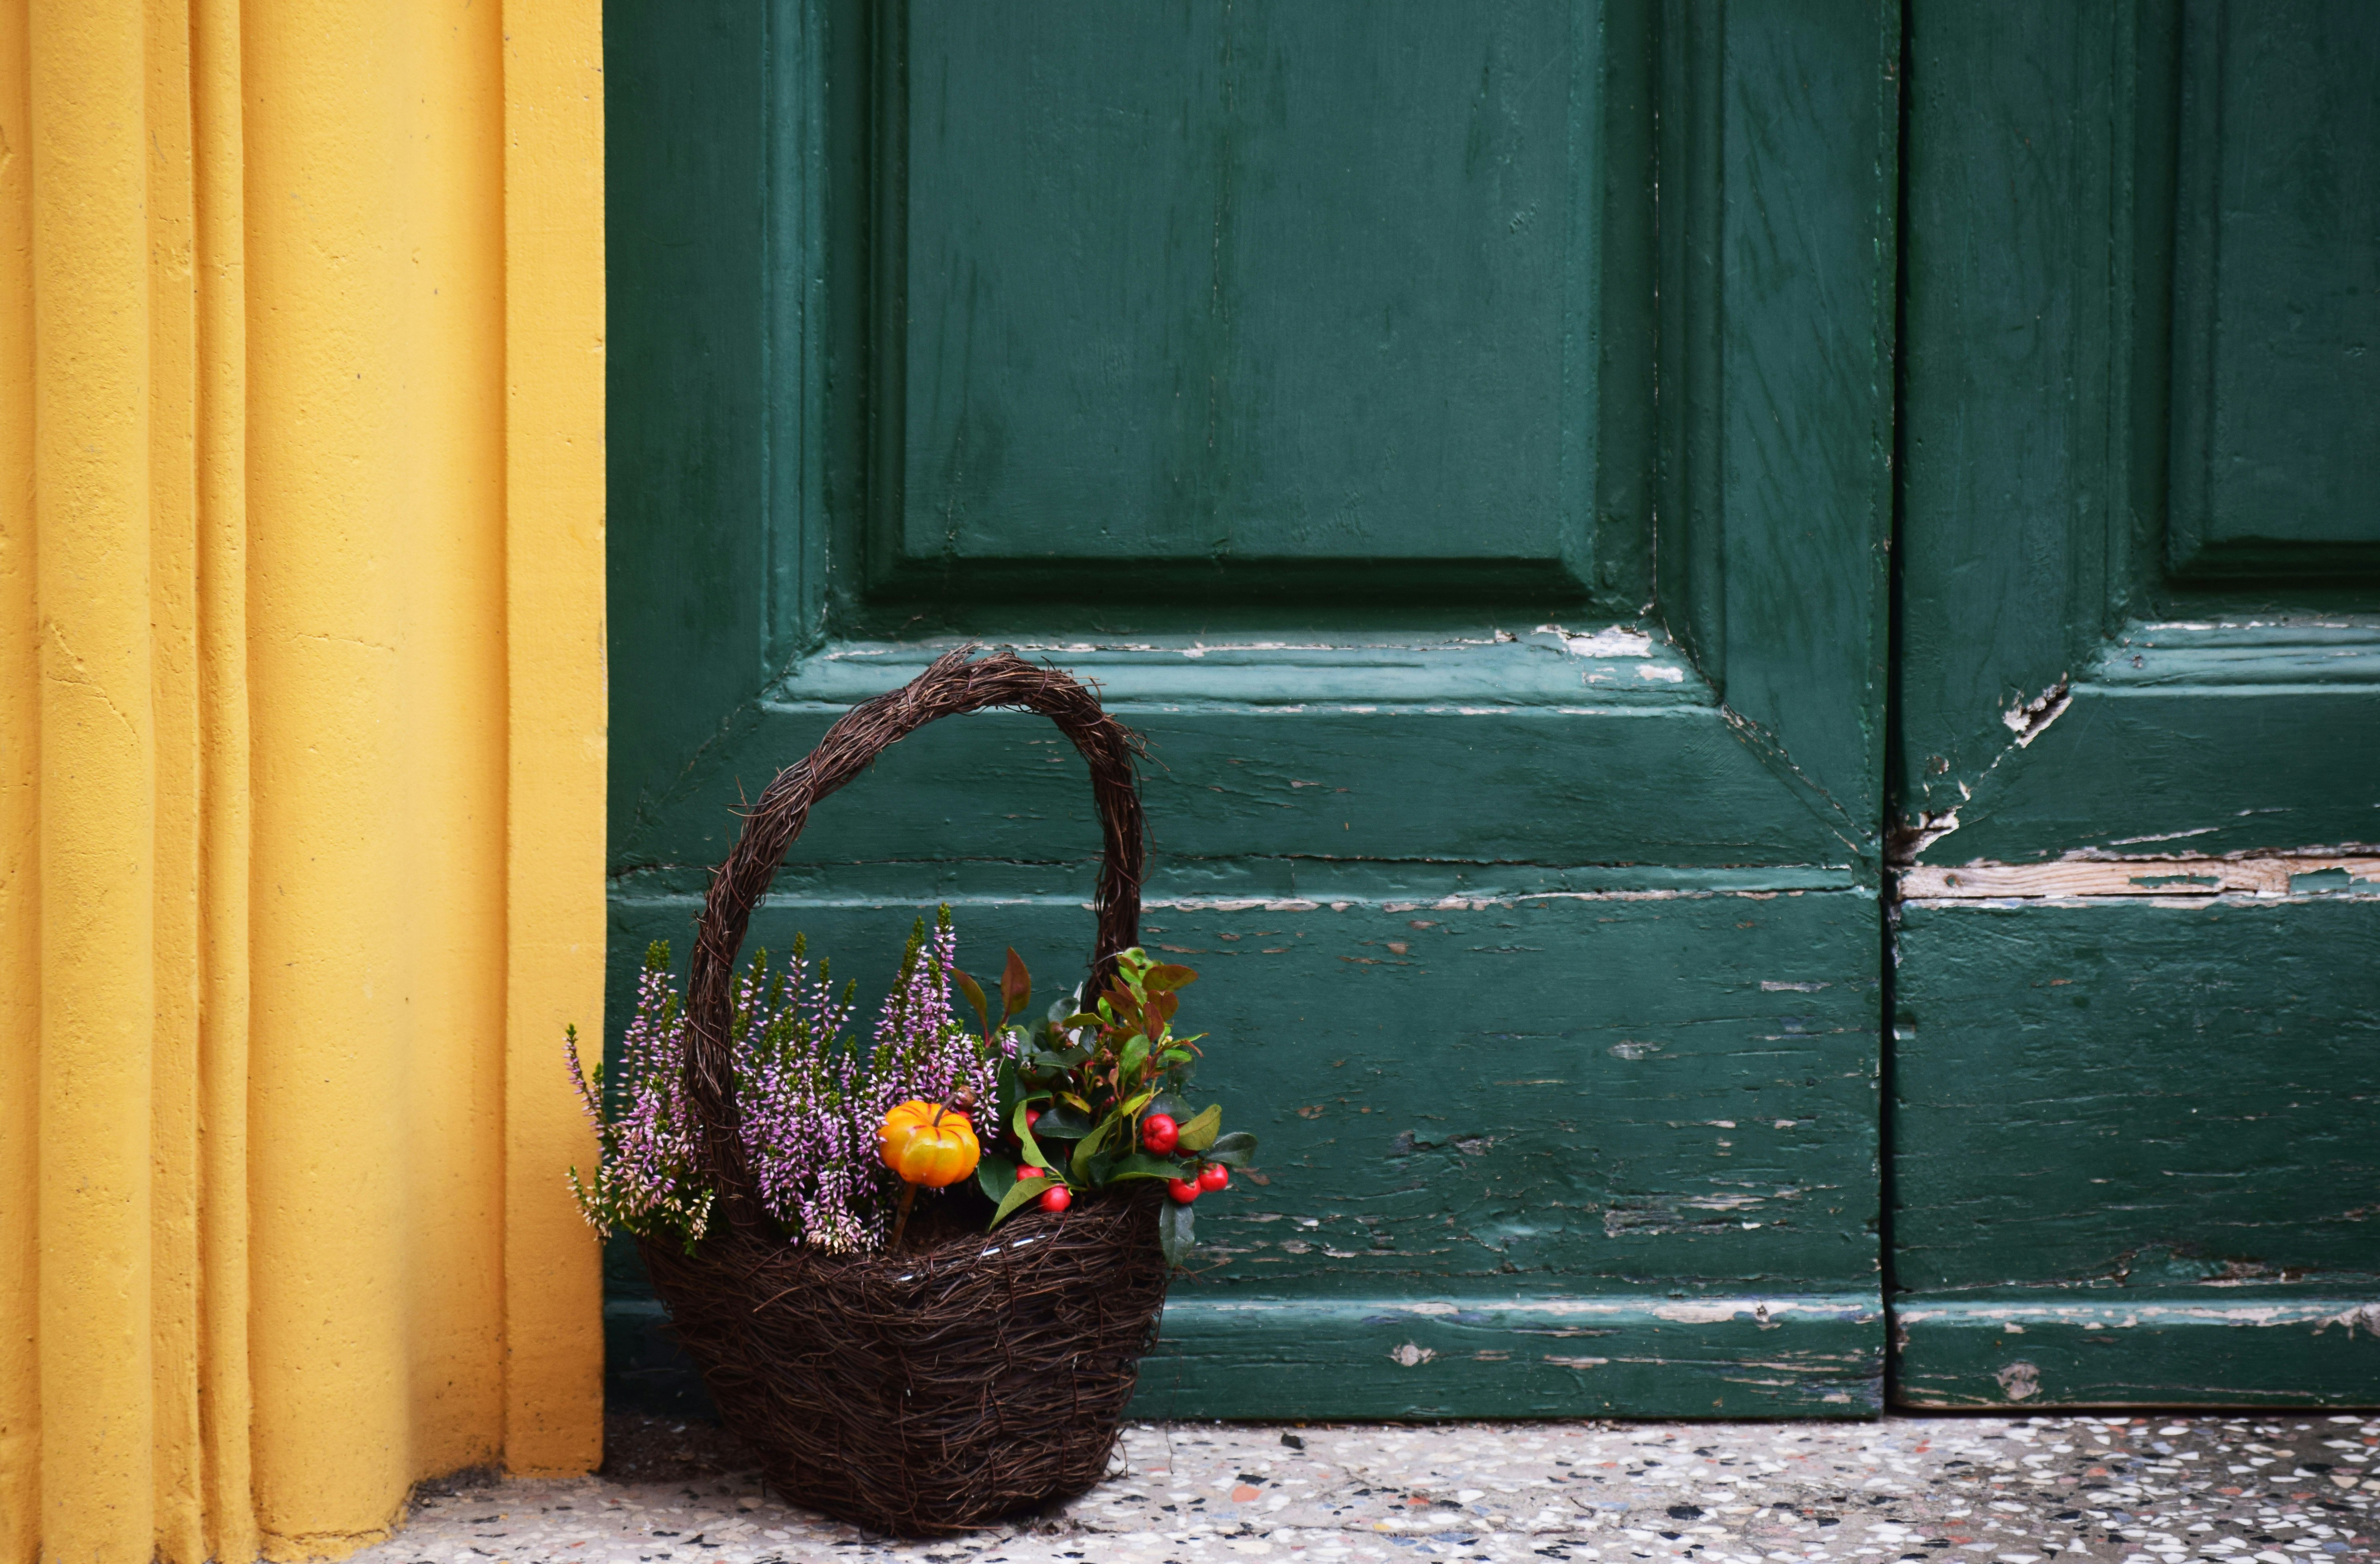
{"x":1032,"y":1117}
{"x":1029,"y":1171}
{"x":1057,"y":1197}
{"x":1214,"y":1175}
{"x":1182,"y":1190}
{"x":1158,"y":1133}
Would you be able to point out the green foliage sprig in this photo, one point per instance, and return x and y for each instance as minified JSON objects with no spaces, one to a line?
{"x":1083,"y":1084}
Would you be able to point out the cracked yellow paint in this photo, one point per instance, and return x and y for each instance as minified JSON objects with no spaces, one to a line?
{"x":301,"y":763}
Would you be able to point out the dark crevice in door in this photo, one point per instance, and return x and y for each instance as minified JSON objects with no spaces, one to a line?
{"x":1892,"y":831}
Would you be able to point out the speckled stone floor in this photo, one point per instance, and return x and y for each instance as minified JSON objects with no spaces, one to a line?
{"x":2155,"y":1490}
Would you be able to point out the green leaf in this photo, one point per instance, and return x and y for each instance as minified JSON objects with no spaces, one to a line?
{"x":1033,"y":1152}
{"x":1175,"y":1056}
{"x":1172,"y":1106}
{"x":974,"y":992}
{"x":1176,"y":1232}
{"x":1016,"y":987}
{"x":993,"y":1175}
{"x":1233,"y":1150}
{"x":1199,"y":1133}
{"x":1059,"y":1121}
{"x":1019,"y":1193}
{"x":1135,"y":1054}
{"x":1140,"y":1164}
{"x":1080,"y":1166}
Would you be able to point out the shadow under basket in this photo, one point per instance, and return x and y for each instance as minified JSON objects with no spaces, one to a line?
{"x":937,"y":1389}
{"x":970,"y":1375}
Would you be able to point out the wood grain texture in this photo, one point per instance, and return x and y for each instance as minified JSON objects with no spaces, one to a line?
{"x":2048,"y":485}
{"x":1163,"y":306}
{"x":2120,"y":1094}
{"x":2287,"y":768}
{"x":688,"y":439}
{"x":2008,"y":469}
{"x":1651,"y":1108}
{"x":1401,"y":1356}
{"x":1538,"y":1089}
{"x":1393,"y":754}
{"x":2142,"y":1348}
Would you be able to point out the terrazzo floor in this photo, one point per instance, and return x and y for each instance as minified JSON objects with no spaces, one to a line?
{"x":1987,"y":1490}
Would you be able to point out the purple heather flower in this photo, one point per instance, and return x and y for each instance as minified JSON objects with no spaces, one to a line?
{"x":810,"y":1099}
{"x":646,"y":1183}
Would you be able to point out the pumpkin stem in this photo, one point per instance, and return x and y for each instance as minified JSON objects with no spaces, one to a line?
{"x":909,"y":1198}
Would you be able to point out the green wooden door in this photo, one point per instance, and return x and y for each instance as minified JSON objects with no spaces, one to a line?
{"x":2136,"y":1057}
{"x":1458,"y":437}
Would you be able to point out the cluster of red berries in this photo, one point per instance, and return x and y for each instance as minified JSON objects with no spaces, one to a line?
{"x":1159,"y":1134}
{"x":1057,"y":1197}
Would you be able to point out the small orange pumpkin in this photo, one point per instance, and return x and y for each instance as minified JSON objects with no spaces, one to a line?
{"x":928,"y":1144}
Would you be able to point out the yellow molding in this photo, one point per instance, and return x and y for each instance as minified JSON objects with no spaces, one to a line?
{"x":553,"y":573}
{"x":301,"y":763}
{"x":97,"y":778}
{"x":20,"y":921}
{"x":219,"y":459}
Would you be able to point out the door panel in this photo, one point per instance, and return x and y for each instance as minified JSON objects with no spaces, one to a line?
{"x":2276,"y":259}
{"x":1164,"y":309}
{"x":1446,"y":1130}
{"x":2135,"y":1085}
{"x":1495,"y":565}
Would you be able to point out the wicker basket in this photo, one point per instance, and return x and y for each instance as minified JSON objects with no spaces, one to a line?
{"x":940,"y":1387}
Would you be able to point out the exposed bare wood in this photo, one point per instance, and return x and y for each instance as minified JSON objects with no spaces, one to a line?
{"x":2272,"y":875}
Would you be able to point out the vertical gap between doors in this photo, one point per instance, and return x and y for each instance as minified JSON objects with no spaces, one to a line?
{"x":1888,"y":886}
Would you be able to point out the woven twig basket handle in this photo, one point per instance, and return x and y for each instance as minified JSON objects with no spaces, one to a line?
{"x":951,"y":686}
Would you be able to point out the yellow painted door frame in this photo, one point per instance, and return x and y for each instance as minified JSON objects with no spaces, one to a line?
{"x":301,"y":761}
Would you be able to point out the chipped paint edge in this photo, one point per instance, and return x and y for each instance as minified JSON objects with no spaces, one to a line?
{"x":2317,"y":1350}
{"x":1784,"y":1355}
{"x":1757,"y":1308}
{"x":2178,"y":879}
{"x":2320,"y":1312}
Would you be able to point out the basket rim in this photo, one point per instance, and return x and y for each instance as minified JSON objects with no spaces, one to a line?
{"x":955,"y":1252}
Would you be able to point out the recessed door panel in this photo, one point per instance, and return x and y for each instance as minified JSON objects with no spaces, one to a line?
{"x":2277,"y":310}
{"x":1248,"y":283}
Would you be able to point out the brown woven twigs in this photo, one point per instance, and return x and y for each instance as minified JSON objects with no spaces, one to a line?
{"x":951,"y":684}
{"x":937,"y":1389}
{"x":968,"y":1376}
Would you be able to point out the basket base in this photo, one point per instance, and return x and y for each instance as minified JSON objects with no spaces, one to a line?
{"x":935,"y":1391}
